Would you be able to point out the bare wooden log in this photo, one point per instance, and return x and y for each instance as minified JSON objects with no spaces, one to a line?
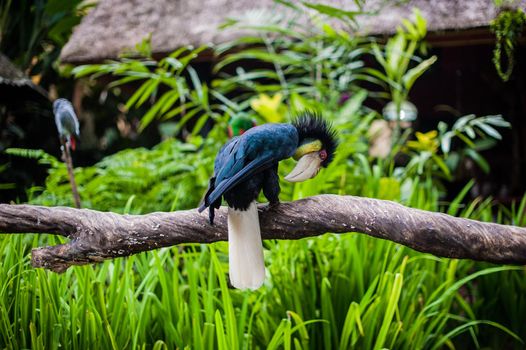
{"x":96,"y":236}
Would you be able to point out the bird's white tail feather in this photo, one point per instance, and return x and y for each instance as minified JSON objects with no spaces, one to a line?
{"x":245,"y":249}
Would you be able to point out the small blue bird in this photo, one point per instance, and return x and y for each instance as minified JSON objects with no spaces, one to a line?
{"x":248,"y":164}
{"x":66,"y":122}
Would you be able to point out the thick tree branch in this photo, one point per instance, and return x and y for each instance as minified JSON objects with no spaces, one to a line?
{"x":96,"y":236}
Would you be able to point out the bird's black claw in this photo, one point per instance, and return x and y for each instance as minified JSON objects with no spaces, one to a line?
{"x":270,"y":206}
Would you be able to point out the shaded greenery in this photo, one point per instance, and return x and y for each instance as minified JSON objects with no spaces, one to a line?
{"x":181,"y":98}
{"x":399,"y":52}
{"x":508,"y":27}
{"x":171,"y":176}
{"x":32,"y":33}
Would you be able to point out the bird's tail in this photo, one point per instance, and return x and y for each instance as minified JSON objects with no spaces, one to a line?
{"x":247,"y":267}
{"x":72,"y":143}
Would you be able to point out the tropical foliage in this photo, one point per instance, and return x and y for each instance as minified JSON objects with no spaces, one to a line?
{"x":32,"y":33}
{"x":508,"y":27}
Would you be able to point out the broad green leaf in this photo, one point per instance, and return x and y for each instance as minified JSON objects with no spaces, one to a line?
{"x":489,"y":130}
{"x":394,"y":52}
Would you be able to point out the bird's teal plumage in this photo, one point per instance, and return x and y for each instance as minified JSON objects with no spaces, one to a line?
{"x":246,"y":158}
{"x":255,"y":148}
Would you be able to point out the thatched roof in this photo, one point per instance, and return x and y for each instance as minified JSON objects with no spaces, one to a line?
{"x":14,"y":84}
{"x":117,"y":25}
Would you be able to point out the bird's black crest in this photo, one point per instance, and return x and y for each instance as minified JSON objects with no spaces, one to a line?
{"x":311,"y":125}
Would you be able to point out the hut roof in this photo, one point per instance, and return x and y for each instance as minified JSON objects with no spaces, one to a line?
{"x":116,"y":25}
{"x":10,"y":74}
{"x":14,"y":83}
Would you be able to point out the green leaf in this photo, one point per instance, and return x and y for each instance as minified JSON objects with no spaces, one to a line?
{"x":282,"y":58}
{"x":466,"y":140}
{"x":277,"y":338}
{"x":349,"y":326}
{"x":394,"y":52}
{"x":462,"y":122}
{"x":481,"y":162}
{"x":392,"y":306}
{"x":220,"y":331}
{"x":352,"y":105}
{"x":445,"y":142}
{"x":154,"y":111}
{"x":469,"y":325}
{"x":287,"y":3}
{"x":497,"y":120}
{"x":378,"y":55}
{"x":333,"y":11}
{"x":442,"y":166}
{"x":376,"y":73}
{"x":410,"y":28}
{"x":143,"y":92}
{"x":414,"y":73}
{"x":490,"y":131}
{"x":420,"y":22}
{"x":470,"y":131}
{"x":455,"y":204}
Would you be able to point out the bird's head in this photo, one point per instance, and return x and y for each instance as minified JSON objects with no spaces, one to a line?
{"x":316,"y":146}
{"x":58,"y":103}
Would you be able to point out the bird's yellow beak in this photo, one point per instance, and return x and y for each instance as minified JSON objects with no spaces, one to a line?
{"x":308,"y":166}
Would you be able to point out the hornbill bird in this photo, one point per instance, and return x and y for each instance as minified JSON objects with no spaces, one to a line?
{"x":247,"y":164}
{"x":66,"y":121}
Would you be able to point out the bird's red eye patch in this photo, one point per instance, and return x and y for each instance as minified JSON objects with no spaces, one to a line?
{"x":323,"y":154}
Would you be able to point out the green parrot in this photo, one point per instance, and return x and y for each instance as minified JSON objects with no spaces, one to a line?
{"x":239,"y":124}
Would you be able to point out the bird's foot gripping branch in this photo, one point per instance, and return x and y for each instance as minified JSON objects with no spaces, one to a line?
{"x":96,"y":236}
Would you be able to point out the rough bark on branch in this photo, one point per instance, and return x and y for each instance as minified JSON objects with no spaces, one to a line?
{"x":96,"y":236}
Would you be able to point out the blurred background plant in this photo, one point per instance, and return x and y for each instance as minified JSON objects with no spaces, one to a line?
{"x":397,"y":76}
{"x":32,"y":33}
{"x":334,"y":291}
{"x":508,"y":27}
{"x":163,"y":83}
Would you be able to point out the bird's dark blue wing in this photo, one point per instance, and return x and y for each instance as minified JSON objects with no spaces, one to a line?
{"x":229,"y":159}
{"x":256,"y":150}
{"x":246,"y":171}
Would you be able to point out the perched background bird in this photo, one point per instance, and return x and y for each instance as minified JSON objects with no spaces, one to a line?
{"x":68,"y":131}
{"x":239,"y":124}
{"x":66,"y":122}
{"x":248,"y":164}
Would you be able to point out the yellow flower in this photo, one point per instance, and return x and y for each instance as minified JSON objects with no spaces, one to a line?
{"x":270,"y":108}
{"x":425,"y":141}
